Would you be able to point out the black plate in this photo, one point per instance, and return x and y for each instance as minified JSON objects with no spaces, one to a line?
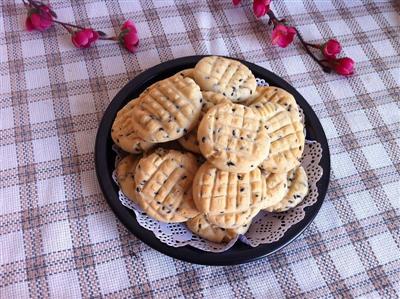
{"x":239,"y":253}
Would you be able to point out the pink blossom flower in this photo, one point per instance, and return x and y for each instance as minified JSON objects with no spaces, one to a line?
{"x":344,"y":66}
{"x":283,"y":35}
{"x":39,"y":18}
{"x":84,"y":38}
{"x":129,"y":36}
{"x":236,"y":2}
{"x":260,"y":7}
{"x":331,"y":48}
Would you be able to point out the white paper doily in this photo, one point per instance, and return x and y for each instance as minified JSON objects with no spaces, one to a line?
{"x":265,"y":228}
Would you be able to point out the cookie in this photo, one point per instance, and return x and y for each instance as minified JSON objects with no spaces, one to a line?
{"x":276,"y":187}
{"x":287,"y":137}
{"x":125,"y":173}
{"x":210,"y":99}
{"x":226,"y":76}
{"x":167,"y":110}
{"x":233,"y":220}
{"x":218,"y":192}
{"x":124,"y":134}
{"x":187,"y":73}
{"x":233,"y":138}
{"x":272,"y":94}
{"x":297,"y":191}
{"x":203,"y":228}
{"x":163,"y":182}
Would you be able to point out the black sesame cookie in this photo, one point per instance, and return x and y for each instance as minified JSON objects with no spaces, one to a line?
{"x":186,"y":73}
{"x":125,"y":173}
{"x":272,"y":94}
{"x":123,"y":132}
{"x":210,"y":99}
{"x":163,"y":183}
{"x":234,"y":220}
{"x":228,"y":199}
{"x":286,"y":134}
{"x":297,"y":191}
{"x":226,"y":76}
{"x":276,"y":187}
{"x":202,"y":227}
{"x":167,"y":110}
{"x":233,"y":138}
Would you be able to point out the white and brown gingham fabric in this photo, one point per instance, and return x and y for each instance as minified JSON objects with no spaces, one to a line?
{"x":58,"y":236}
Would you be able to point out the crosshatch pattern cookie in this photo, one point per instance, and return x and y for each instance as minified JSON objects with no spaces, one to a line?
{"x":272,"y":94}
{"x":123,"y":132}
{"x":220,"y":192}
{"x":276,"y":187}
{"x":167,"y":110}
{"x":226,"y":76}
{"x":187,"y":73}
{"x":210,"y":99}
{"x":233,"y":138}
{"x":125,"y":173}
{"x":163,"y":185}
{"x":297,"y":191}
{"x":233,"y":220}
{"x":202,"y":227}
{"x":287,"y":137}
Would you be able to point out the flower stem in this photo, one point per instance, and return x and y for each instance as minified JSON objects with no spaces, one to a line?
{"x":113,"y":38}
{"x":67,"y":24}
{"x":66,"y":27}
{"x":325,"y":68}
{"x":313,"y":46}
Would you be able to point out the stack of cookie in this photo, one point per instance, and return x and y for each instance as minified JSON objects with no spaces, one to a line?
{"x":239,"y":152}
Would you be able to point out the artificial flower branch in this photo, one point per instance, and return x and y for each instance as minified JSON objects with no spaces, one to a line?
{"x":41,"y":17}
{"x":283,"y":35}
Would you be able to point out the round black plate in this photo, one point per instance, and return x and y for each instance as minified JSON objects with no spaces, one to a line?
{"x":239,"y":253}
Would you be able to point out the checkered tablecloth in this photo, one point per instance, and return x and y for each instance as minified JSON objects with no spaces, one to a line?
{"x":58,"y":236}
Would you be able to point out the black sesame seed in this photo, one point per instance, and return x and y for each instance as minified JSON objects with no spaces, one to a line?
{"x":184,"y":177}
{"x":230,"y":163}
{"x":241,"y":189}
{"x":203,"y":139}
{"x":233,"y":133}
{"x":137,"y":189}
{"x":239,"y":177}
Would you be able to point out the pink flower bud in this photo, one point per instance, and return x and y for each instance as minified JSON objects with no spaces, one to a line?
{"x":39,"y":19}
{"x":129,"y":36}
{"x":283,"y":35}
{"x":84,"y":38}
{"x":236,"y":2}
{"x":344,"y":66}
{"x":260,"y":7}
{"x":331,"y":48}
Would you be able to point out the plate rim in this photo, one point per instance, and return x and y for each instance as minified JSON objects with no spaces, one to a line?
{"x":188,"y":253}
